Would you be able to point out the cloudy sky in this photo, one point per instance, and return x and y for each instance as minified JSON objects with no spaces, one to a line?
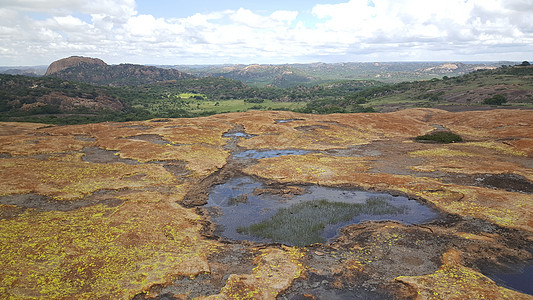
{"x":37,"y":32}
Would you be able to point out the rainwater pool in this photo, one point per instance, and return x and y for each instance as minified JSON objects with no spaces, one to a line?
{"x":315,"y":215}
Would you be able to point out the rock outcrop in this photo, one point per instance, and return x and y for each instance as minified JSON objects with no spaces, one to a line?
{"x":96,"y":71}
{"x":73,"y":61}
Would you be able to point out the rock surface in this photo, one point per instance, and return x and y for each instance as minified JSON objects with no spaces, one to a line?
{"x":113,"y":210}
{"x":73,"y":61}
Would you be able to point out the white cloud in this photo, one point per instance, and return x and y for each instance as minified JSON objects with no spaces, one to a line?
{"x":350,"y":31}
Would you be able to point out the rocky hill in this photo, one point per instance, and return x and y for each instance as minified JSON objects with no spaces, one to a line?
{"x":96,"y":71}
{"x":22,"y":96}
{"x":71,"y":62}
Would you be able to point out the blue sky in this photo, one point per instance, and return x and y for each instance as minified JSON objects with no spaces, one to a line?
{"x":181,"y":9}
{"x":37,"y":32}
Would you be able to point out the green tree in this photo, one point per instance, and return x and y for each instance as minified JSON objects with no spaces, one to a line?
{"x":498,"y":99}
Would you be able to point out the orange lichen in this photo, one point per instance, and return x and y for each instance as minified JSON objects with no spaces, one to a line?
{"x":68,"y":177}
{"x":310,"y":168}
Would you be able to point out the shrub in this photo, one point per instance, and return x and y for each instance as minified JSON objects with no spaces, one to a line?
{"x":445,"y":137}
{"x":495,"y":100}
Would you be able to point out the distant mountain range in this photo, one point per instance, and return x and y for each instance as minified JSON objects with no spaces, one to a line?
{"x":96,"y":71}
{"x":290,"y":75}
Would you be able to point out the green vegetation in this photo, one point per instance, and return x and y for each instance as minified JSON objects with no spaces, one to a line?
{"x":59,"y":101}
{"x":511,"y":85}
{"x":444,"y":137}
{"x":302,"y":223}
{"x":498,"y":99}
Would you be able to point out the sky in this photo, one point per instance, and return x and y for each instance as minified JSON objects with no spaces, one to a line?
{"x":38,"y":32}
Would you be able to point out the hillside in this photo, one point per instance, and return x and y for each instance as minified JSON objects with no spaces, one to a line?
{"x":95,"y":71}
{"x":23,"y":96}
{"x":468,"y":91}
{"x":291,"y":75}
{"x":53,"y":100}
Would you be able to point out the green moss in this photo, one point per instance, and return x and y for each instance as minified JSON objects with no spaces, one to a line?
{"x":302,"y":223}
{"x":444,"y":137}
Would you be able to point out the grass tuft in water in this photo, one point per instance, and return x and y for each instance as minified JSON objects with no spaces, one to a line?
{"x":302,"y":223}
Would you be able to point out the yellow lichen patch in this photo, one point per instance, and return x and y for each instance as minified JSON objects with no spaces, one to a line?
{"x":405,"y":123}
{"x":489,"y":124}
{"x":475,"y":237}
{"x":17,"y":128}
{"x":440,"y":152}
{"x":198,"y":142}
{"x":523,"y":145}
{"x":311,"y":168}
{"x":275,"y":271}
{"x":307,"y":135}
{"x":199,"y":158}
{"x":197,"y":131}
{"x":454,"y":281}
{"x":19,"y":145}
{"x":501,"y":147}
{"x":100,"y":252}
{"x":317,"y":132}
{"x":68,"y":177}
{"x":462,"y":165}
{"x":513,"y":210}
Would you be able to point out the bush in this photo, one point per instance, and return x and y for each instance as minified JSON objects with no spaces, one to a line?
{"x":444,"y":137}
{"x":495,"y":100}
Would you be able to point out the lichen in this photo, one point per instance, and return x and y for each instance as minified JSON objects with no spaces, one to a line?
{"x":100,"y":251}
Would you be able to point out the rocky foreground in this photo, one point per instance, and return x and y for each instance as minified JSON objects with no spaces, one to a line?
{"x":115,"y":210}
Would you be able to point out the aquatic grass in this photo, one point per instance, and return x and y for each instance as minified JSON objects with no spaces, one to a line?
{"x":302,"y":224}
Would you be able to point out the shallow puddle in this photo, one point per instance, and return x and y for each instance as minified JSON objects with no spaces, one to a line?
{"x":281,"y":121}
{"x":238,"y":135}
{"x":260,"y":154}
{"x":520,"y":279}
{"x":239,"y":209}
